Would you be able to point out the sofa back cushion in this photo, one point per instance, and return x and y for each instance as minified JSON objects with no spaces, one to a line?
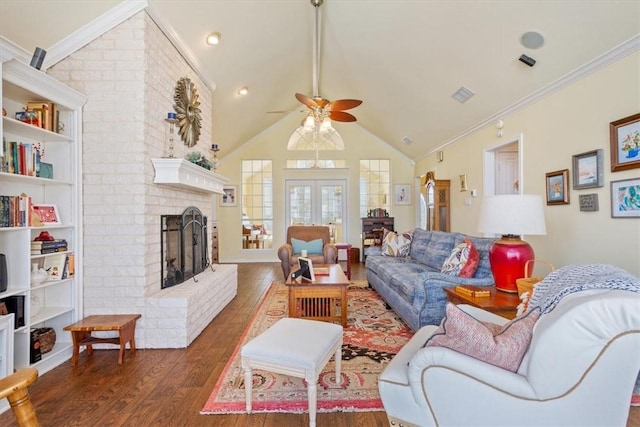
{"x":432,"y":247}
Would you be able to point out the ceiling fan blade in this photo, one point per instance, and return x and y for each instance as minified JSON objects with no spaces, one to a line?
{"x":341,"y":116}
{"x":343,"y":104}
{"x":309,"y":102}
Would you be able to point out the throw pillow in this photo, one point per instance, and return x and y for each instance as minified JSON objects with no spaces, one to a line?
{"x":502,"y":346}
{"x":396,"y":244}
{"x":463,"y":261}
{"x":314,"y":247}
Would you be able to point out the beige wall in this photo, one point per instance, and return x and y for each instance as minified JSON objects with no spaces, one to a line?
{"x":571,"y":121}
{"x":272,"y":144}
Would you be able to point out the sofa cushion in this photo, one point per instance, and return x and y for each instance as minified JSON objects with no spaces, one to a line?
{"x":396,"y":244}
{"x":502,"y":346}
{"x":432,"y":247}
{"x":463,"y":260}
{"x":313,"y":247}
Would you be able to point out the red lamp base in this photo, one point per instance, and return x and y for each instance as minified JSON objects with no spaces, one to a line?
{"x":508,"y":257}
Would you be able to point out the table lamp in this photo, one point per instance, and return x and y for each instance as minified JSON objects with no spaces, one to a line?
{"x":511,"y":216}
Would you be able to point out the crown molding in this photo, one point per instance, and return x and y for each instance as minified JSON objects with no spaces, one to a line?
{"x":614,"y":55}
{"x":92,"y":31}
{"x":9,"y":50}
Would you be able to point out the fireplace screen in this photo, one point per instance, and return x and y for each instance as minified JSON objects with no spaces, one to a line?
{"x":184,"y":246}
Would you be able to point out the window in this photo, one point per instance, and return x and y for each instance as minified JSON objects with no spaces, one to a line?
{"x":257,"y":204}
{"x":375,"y":185}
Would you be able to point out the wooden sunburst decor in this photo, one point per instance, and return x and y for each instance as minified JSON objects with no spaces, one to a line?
{"x":188,"y":112}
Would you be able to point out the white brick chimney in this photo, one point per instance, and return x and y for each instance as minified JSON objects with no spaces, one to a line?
{"x":129,"y":76}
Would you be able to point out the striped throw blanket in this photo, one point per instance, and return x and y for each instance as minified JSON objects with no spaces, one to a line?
{"x":575,"y":278}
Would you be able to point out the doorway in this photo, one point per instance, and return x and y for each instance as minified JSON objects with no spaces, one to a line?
{"x":318,"y":202}
{"x":503,"y":168}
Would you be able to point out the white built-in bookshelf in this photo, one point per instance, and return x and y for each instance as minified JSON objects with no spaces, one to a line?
{"x":51,"y":303}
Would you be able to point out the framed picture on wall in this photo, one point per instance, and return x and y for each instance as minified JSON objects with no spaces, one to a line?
{"x":402,"y":194}
{"x":230,"y":196}
{"x":625,"y":198}
{"x":625,"y":143}
{"x":588,"y":170}
{"x":558,"y":187}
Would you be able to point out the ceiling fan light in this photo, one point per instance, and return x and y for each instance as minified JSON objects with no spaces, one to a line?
{"x":309,"y":123}
{"x":325,"y":126}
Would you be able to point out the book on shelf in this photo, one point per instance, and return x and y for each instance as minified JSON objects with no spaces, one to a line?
{"x":48,"y":250}
{"x":44,"y":244}
{"x":473,"y":291}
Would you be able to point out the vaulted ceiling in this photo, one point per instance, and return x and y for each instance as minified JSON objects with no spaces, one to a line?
{"x":403,"y":58}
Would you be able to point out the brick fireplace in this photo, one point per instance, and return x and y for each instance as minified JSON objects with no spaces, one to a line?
{"x":129,"y":76}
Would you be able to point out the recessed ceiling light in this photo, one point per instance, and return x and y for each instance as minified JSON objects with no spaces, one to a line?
{"x":463,"y":94}
{"x":214,"y":38}
{"x":532,"y":40}
{"x":243,"y":91}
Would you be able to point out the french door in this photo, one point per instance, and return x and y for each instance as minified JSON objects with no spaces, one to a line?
{"x":318,"y":202}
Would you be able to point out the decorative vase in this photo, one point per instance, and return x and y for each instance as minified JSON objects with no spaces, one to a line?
{"x":633,"y":153}
{"x":35,"y":304}
{"x":38,"y":275}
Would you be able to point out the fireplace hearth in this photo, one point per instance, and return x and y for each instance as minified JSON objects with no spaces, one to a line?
{"x":184,"y":248}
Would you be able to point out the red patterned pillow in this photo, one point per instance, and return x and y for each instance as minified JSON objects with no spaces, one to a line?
{"x":502,"y":346}
{"x":463,"y":261}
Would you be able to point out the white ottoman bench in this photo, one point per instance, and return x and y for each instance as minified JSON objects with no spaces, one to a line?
{"x":297,"y":347}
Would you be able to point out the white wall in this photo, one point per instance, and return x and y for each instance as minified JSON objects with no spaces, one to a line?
{"x":571,"y":121}
{"x":272,"y":144}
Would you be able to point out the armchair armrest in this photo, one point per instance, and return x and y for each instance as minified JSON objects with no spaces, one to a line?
{"x":330,"y":253}
{"x":439,"y":367}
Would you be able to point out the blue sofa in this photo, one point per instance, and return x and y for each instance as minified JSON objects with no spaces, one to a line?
{"x":413,"y":285}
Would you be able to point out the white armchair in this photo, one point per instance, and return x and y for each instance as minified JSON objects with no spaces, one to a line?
{"x":579,"y":370}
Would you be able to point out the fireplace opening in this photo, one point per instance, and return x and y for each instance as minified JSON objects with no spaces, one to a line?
{"x":184,"y":248}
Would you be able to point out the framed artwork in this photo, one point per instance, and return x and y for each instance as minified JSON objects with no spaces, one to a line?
{"x":625,"y":198}
{"x":402,"y":194}
{"x":48,"y":214}
{"x":230,"y":196}
{"x":587,"y":170}
{"x":463,"y":182}
{"x":625,"y":143}
{"x":558,"y":187}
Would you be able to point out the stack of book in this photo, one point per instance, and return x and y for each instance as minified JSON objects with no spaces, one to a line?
{"x":48,"y":246}
{"x":473,"y":291}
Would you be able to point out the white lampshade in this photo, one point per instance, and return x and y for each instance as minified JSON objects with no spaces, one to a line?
{"x":515,"y":214}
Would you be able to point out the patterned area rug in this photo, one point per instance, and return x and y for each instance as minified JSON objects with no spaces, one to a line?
{"x":372,"y":337}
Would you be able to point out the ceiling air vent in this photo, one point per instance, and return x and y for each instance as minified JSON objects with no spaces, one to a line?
{"x":462,"y":94}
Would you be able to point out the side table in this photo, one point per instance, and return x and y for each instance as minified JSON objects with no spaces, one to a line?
{"x":125,"y":324}
{"x":346,"y":247}
{"x":501,"y":303}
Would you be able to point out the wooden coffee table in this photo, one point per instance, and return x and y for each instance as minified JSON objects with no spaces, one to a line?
{"x":323,"y":299}
{"x":501,"y":303}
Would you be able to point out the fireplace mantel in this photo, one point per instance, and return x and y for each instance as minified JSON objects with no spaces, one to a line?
{"x":184,"y":174}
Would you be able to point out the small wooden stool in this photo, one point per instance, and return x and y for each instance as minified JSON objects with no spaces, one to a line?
{"x":125,"y":324}
{"x":14,"y":388}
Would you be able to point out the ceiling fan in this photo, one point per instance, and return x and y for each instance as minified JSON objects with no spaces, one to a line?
{"x":321,"y":110}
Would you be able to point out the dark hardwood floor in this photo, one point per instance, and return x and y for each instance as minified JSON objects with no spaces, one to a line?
{"x":169,"y":387}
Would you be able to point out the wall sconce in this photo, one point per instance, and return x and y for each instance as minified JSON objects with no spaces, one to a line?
{"x":499,"y":126}
{"x":440,"y":156}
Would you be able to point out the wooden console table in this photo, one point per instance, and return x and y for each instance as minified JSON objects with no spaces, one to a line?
{"x":125,"y":324}
{"x":501,"y":303}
